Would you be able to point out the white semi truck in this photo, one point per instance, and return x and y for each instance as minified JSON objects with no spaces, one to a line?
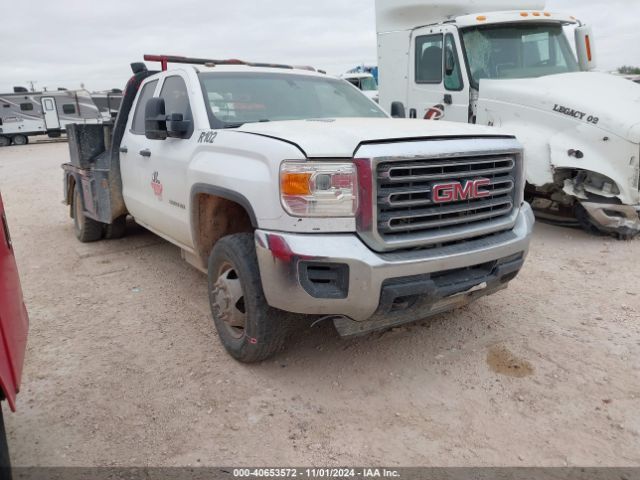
{"x":296,"y":192}
{"x":484,"y":62}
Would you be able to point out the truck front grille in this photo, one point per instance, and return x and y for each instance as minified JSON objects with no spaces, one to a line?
{"x":405,"y":194}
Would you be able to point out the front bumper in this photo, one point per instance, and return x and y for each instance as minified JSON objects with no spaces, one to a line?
{"x":614,"y":218}
{"x":371,"y":276}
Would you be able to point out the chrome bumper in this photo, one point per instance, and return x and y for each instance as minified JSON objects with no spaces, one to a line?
{"x":280,"y":254}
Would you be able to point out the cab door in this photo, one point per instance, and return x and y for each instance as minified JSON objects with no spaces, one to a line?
{"x":437,"y":86}
{"x":50,"y":113}
{"x":170,"y":161}
{"x":136,"y":152}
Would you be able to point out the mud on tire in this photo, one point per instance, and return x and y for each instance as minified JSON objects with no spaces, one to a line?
{"x":249,"y":329}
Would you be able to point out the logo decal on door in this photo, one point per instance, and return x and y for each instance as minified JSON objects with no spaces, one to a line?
{"x":435,"y":113}
{"x":156,"y":185}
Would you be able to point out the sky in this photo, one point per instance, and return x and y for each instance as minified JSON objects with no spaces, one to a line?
{"x":66,"y":43}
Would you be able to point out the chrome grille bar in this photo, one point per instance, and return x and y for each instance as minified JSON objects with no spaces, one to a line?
{"x":405,"y":204}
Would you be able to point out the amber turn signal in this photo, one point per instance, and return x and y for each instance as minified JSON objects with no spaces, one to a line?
{"x":295,"y":183}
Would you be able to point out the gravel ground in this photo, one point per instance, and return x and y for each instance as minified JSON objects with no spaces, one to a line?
{"x":124,"y":366}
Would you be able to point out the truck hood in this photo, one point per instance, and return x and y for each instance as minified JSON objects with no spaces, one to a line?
{"x":340,"y":138}
{"x":613,"y":101}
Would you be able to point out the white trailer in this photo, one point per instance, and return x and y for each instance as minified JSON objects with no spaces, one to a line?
{"x":483,"y":62}
{"x":24,"y":114}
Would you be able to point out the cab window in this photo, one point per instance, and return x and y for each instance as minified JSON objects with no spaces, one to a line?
{"x":176,"y":98}
{"x":137,"y":125}
{"x":452,"y":75}
{"x":429,"y":59}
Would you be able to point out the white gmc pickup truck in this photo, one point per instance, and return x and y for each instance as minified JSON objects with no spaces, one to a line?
{"x":297,"y":193}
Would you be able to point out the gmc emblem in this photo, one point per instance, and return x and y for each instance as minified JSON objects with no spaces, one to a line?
{"x":455,"y":191}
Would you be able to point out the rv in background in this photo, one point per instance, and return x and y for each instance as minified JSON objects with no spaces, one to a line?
{"x":24,"y":114}
{"x":108,"y":102}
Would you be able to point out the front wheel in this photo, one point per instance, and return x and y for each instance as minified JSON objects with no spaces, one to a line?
{"x":249,"y":329}
{"x":4,"y":141}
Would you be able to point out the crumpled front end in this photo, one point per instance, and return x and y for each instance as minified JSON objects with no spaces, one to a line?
{"x":600,"y":175}
{"x":582,"y":152}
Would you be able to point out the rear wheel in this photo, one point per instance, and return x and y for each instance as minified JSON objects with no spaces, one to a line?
{"x":249,"y":329}
{"x":116,"y":229}
{"x":87,"y":229}
{"x":20,"y":139}
{"x":5,"y":141}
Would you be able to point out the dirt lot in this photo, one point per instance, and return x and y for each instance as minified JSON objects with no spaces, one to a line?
{"x":124,"y":367}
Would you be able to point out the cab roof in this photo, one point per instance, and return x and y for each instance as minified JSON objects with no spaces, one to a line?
{"x":400,"y":15}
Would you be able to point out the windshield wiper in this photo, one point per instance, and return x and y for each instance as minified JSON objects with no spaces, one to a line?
{"x":239,"y":124}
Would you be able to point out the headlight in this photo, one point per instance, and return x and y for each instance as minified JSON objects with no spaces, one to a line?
{"x":319,"y":189}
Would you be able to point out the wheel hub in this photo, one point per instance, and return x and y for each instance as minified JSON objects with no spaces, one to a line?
{"x":228,"y":300}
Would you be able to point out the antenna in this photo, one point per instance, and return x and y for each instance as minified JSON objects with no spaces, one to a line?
{"x":32,"y":83}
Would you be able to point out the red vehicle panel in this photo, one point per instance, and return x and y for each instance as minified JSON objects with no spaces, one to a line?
{"x":14,"y":322}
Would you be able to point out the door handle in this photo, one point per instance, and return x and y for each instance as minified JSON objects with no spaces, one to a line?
{"x":145,"y":153}
{"x":448,"y":99}
{"x":124,"y":150}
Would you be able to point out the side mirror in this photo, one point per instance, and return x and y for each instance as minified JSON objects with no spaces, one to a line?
{"x":449,"y":62}
{"x":155,"y":120}
{"x":585,"y":48}
{"x":397,"y":110}
{"x":177,"y":127}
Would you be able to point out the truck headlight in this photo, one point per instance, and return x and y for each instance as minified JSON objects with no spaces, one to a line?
{"x":319,"y":189}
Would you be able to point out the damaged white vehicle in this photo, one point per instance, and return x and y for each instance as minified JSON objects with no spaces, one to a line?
{"x":485,"y":63}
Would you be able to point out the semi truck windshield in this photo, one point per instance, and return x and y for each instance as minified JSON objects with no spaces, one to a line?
{"x":517,"y":51}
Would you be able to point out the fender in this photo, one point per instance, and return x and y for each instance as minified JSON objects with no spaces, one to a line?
{"x":202,"y":245}
{"x":222,"y":193}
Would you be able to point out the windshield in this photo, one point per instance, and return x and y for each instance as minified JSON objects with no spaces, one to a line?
{"x":517,"y":51}
{"x":368,"y":84}
{"x":238,"y":98}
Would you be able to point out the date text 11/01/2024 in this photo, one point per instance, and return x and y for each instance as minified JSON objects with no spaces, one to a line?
{"x":315,"y":473}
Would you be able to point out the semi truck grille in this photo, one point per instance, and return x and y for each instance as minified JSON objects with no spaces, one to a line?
{"x":410,"y":200}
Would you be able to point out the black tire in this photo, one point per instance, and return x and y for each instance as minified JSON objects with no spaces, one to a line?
{"x":232,"y":260}
{"x":87,"y":229}
{"x":5,"y":462}
{"x":20,"y":139}
{"x":5,"y":141}
{"x":117,"y":229}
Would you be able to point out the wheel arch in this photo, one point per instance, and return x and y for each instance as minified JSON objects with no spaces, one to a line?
{"x":229,"y":211}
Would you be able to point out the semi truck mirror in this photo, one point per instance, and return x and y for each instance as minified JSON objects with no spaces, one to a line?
{"x":155,"y":119}
{"x":449,"y":62}
{"x":397,"y":110}
{"x":177,"y":126}
{"x":585,"y":48}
